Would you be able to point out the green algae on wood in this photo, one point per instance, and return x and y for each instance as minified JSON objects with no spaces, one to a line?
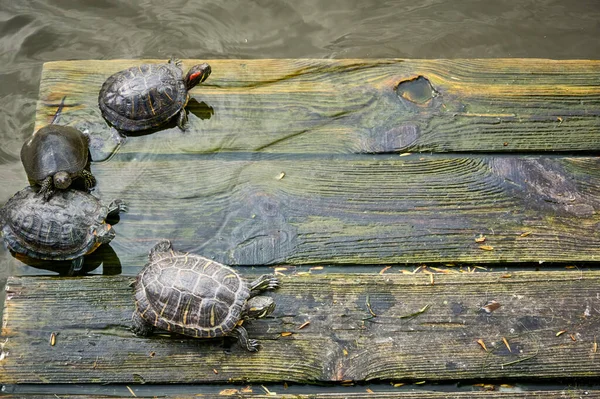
{"x":358,"y":211}
{"x":90,"y":318}
{"x":355,"y":106}
{"x":355,"y":210}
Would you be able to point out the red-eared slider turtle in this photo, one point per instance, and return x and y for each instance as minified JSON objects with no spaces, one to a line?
{"x":146,"y":96}
{"x":68,"y":226}
{"x":192,"y":295}
{"x":54,"y":156}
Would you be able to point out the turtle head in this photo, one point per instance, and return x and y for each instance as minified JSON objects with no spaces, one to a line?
{"x":62,"y":180}
{"x":104,"y":233}
{"x":259,"y":307}
{"x":197,"y":74}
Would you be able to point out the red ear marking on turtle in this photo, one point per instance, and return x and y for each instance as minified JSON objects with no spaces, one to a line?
{"x":195,"y":75}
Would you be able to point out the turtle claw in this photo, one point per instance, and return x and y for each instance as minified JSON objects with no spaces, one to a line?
{"x":176,"y":61}
{"x":253,"y":345}
{"x":273,"y":283}
{"x":116,"y":207}
{"x":264,"y":282}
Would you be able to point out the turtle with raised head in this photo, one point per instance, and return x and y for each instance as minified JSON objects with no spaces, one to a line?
{"x":195,"y":296}
{"x":147,"y":96}
{"x":68,"y":226}
{"x":55,"y":155}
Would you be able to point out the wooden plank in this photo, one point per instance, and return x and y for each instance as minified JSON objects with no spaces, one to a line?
{"x":355,"y":210}
{"x":363,"y":327}
{"x":353,"y":106}
{"x":231,"y":392}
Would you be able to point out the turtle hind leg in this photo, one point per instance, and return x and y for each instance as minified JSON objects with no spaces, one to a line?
{"x":162,"y":246}
{"x":116,"y":207}
{"x":251,"y":345}
{"x":176,"y":61}
{"x":264,"y":282}
{"x":182,"y":119}
{"x":47,"y":188}
{"x":76,"y":266}
{"x":140,"y":326}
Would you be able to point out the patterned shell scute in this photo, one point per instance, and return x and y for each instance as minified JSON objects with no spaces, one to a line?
{"x":60,"y":228}
{"x":143,"y":96}
{"x":52,"y":149}
{"x":192,"y":292}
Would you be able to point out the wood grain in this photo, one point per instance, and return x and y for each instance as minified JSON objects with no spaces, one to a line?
{"x":352,"y":106}
{"x":357,"y":211}
{"x":363,"y":327}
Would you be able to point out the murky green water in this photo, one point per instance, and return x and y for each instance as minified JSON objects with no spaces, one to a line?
{"x":33,"y":32}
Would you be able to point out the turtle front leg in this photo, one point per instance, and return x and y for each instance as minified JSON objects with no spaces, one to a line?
{"x":182,"y":119}
{"x":264,"y":282}
{"x":251,"y":345}
{"x":140,"y":326}
{"x":88,"y":179}
{"x":47,"y":188}
{"x":116,"y":207}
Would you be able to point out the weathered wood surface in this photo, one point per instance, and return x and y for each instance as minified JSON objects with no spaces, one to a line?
{"x":344,"y":341}
{"x":230,"y":392}
{"x":352,"y":106}
{"x":355,"y":211}
{"x":278,"y":172}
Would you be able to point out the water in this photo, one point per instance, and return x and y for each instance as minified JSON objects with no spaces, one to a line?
{"x":35,"y":31}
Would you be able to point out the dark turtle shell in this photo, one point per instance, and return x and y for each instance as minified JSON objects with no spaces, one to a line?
{"x":52,"y":149}
{"x":70,"y":224}
{"x":143,"y":97}
{"x":190,"y":294}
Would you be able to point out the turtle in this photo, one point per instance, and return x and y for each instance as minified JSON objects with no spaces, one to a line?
{"x":68,"y":226}
{"x":198,"y":297}
{"x":54,"y":156}
{"x":149,"y":95}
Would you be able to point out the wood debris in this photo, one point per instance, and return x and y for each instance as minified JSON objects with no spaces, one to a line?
{"x":482,"y":344}
{"x":131,"y":390}
{"x":306,"y":323}
{"x":229,"y":392}
{"x":572,"y":337}
{"x":506,"y":343}
{"x":490,"y":306}
{"x":267,"y":391}
{"x":384,"y":269}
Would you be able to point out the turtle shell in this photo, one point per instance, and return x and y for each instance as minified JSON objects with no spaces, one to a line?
{"x":143,"y":97}
{"x":64,"y":227}
{"x":190,"y":295}
{"x":52,"y":149}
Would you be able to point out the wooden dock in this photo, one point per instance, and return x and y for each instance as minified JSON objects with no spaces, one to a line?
{"x":410,"y":208}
